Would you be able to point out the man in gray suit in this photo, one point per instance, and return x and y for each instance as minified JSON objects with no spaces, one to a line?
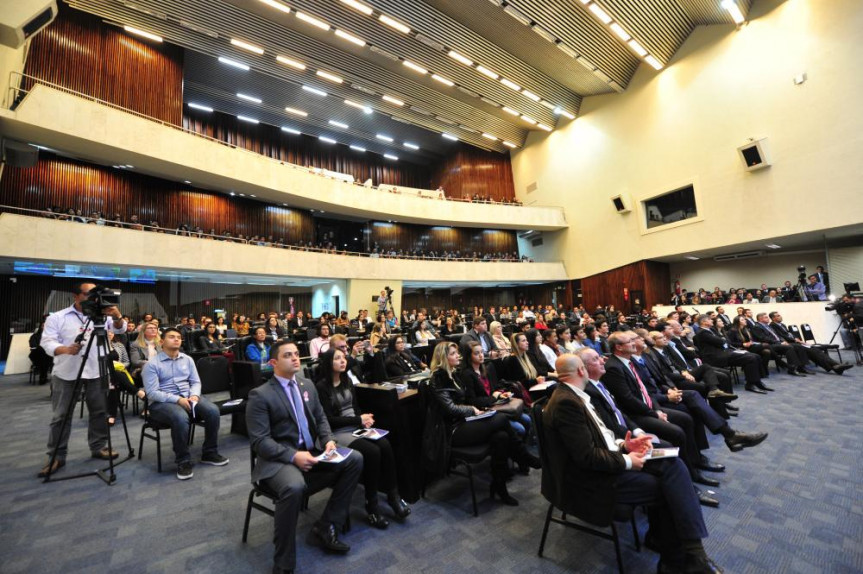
{"x":288,"y":430}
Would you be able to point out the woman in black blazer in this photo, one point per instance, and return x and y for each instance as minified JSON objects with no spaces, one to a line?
{"x":739,"y":337}
{"x":400,"y":362}
{"x":521,"y":365}
{"x":274,"y":332}
{"x":209,"y":340}
{"x":452,"y":402}
{"x":345,"y":417}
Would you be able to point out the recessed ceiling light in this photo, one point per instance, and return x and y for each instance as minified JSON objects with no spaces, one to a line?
{"x":393,"y":100}
{"x":391,"y":156}
{"x":510,"y":111}
{"x":489,"y":137}
{"x":411,"y":146}
{"x":187,"y":182}
{"x":232,"y":194}
{"x":247,"y":46}
{"x":486,"y":72}
{"x":456,"y":56}
{"x":367,"y":10}
{"x":339,"y":124}
{"x":350,"y":38}
{"x":249,"y":98}
{"x":621,"y":33}
{"x":394,"y":24}
{"x":654,"y":63}
{"x":450,"y":137}
{"x":358,"y":148}
{"x":200,"y":107}
{"x":509,"y":144}
{"x":442,"y":80}
{"x":415,"y":67}
{"x":277,"y":6}
{"x":329,"y":76}
{"x":510,"y":84}
{"x":315,"y":91}
{"x":248,"y":119}
{"x":531,"y":95}
{"x":544,"y":127}
{"x":296,"y":112}
{"x":291,"y":63}
{"x":360,"y":106}
{"x":774,"y":246}
{"x":692,"y":257}
{"x":234,"y":63}
{"x":384,"y":137}
{"x":637,"y":48}
{"x":291,"y":130}
{"x":142,"y":33}
{"x":529,"y":120}
{"x":327,"y":140}
{"x":599,"y":13}
{"x":313,"y":21}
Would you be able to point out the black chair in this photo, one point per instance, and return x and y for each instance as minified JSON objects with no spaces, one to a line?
{"x":622,"y":512}
{"x":216,"y":378}
{"x":155,"y":428}
{"x":809,"y":337}
{"x":458,"y":455}
{"x":795,"y":331}
{"x":260,"y":489}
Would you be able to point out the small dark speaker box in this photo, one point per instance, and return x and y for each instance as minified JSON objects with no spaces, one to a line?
{"x":17,"y":154}
{"x":754,"y":155}
{"x":621,"y":203}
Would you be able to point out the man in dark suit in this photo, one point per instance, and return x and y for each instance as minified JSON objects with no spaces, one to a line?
{"x":817,"y":356}
{"x":789,"y":292}
{"x":714,"y":350}
{"x":593,"y":470}
{"x":479,"y":333}
{"x":823,"y":277}
{"x":720,"y":314}
{"x":795,"y":357}
{"x":687,"y":364}
{"x":287,"y":431}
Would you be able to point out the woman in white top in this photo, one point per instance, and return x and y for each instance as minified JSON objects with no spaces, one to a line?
{"x":423,"y":335}
{"x":564,"y":340}
{"x":503,"y":345}
{"x":221,"y":327}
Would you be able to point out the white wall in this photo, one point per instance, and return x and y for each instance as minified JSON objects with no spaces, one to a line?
{"x":683,"y":125}
{"x":773,"y":269}
{"x":323,"y":298}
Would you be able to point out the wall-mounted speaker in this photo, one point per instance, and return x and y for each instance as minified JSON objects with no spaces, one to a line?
{"x":622,"y":203}
{"x":20,"y":19}
{"x":754,"y":155}
{"x":18,"y":154}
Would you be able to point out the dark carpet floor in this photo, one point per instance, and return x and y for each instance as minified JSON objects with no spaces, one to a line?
{"x":793,"y":504}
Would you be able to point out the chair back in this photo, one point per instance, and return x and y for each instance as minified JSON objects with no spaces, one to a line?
{"x":806,"y":330}
{"x":536,"y":418}
{"x":230,"y":333}
{"x":794,"y":330}
{"x":215,"y":375}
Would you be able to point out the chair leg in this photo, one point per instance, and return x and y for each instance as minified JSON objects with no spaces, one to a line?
{"x":248,"y":516}
{"x":158,"y":450}
{"x":635,"y":534}
{"x":545,"y":529}
{"x":141,"y":443}
{"x":472,"y":489}
{"x":617,"y":548}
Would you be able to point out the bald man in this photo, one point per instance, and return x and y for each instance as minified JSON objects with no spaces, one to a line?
{"x":590,"y":459}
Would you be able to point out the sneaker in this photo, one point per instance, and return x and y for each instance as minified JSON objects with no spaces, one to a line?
{"x":214,"y":459}
{"x":184,"y":471}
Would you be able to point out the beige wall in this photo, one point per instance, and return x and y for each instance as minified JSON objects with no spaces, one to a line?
{"x":361,"y":291}
{"x":773,"y":269}
{"x":683,"y":125}
{"x":11,"y":60}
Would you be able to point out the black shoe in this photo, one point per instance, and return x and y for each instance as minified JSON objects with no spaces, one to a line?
{"x":805,"y":371}
{"x":701,"y":479}
{"x":782,"y":365}
{"x":705,"y":464}
{"x":841,"y":368}
{"x":498,"y":488}
{"x":732,"y":408}
{"x":796,"y":373}
{"x":48,"y":470}
{"x":105,"y":454}
{"x":184,"y":471}
{"x":326,"y":538}
{"x":754,"y":389}
{"x":764,"y":387}
{"x":399,"y":506}
{"x":742,"y":440}
{"x":733,"y":413}
{"x":214,"y":459}
{"x":278,"y":570}
{"x":706,"y":500}
{"x":376,"y":520}
{"x":718,"y":395}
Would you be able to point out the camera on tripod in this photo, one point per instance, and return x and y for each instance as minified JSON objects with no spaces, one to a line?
{"x":801,"y":274}
{"x":389,"y":291}
{"x":98,"y":299}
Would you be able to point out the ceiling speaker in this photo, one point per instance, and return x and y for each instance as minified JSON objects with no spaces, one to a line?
{"x":20,"y":19}
{"x":622,"y":203}
{"x":754,"y":155}
{"x":18,"y":154}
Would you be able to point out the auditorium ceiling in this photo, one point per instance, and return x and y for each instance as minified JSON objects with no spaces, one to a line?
{"x":408,"y":78}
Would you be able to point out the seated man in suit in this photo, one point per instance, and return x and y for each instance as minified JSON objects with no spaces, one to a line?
{"x":690,"y":367}
{"x":795,"y":357}
{"x":714,"y":350}
{"x":174,"y":390}
{"x":287,"y":430}
{"x":594,"y":470}
{"x":816,"y":355}
{"x":772,"y":297}
{"x":479,"y":333}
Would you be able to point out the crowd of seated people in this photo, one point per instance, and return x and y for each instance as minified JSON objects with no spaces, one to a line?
{"x":815,"y":288}
{"x":189,"y":230}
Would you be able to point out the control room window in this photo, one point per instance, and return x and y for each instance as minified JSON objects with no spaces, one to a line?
{"x":670,"y":207}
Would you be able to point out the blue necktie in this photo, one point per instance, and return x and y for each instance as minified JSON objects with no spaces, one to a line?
{"x":300,"y":413}
{"x":608,"y":398}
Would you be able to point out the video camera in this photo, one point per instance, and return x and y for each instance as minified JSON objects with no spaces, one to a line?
{"x":99,"y":299}
{"x":389,"y":291}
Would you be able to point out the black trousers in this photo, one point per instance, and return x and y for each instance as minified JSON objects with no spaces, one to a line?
{"x":379,"y":468}
{"x":494,"y":430}
{"x":817,"y":356}
{"x":679,"y":430}
{"x":749,"y":362}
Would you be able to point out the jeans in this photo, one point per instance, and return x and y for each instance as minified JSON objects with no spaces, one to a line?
{"x":520,"y":425}
{"x":180,"y":421}
{"x":62,"y":395}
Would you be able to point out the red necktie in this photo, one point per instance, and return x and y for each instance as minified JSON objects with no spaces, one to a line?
{"x":644,"y":394}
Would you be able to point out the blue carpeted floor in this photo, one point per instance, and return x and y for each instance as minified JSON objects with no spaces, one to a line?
{"x":793,"y":504}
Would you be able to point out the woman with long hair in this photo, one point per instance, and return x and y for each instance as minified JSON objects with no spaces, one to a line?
{"x":379,"y":334}
{"x":534,"y":351}
{"x":504,"y":347}
{"x":274,"y":331}
{"x":519,"y":365}
{"x":146,"y":346}
{"x":400,"y":362}
{"x":739,"y":336}
{"x":209,"y":340}
{"x":451,"y":401}
{"x":221,"y":327}
{"x":343,"y":412}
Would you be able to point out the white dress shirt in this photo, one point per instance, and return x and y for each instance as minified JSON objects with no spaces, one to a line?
{"x":613,"y":443}
{"x":61,"y":329}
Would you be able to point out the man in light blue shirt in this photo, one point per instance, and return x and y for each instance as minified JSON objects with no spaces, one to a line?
{"x":174,"y":392}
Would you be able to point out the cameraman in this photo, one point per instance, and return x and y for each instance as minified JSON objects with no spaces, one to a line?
{"x":58,"y":340}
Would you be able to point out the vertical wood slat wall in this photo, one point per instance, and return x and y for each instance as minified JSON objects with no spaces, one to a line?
{"x":471,"y":171}
{"x":652,"y":278}
{"x":79,"y":52}
{"x":305,"y":150}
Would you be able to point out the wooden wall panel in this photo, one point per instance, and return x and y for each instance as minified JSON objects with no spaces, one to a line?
{"x":67,"y":183}
{"x":651,"y":278}
{"x":405,"y":236}
{"x":470,"y":171}
{"x":305,"y":150}
{"x":78,"y":51}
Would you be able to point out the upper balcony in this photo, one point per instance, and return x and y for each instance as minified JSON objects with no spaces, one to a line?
{"x":101,"y":132}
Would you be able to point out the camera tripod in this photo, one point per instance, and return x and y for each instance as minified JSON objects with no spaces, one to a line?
{"x":855,"y":337}
{"x":100,"y":337}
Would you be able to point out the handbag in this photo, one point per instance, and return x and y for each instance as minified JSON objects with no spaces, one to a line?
{"x":513,"y":408}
